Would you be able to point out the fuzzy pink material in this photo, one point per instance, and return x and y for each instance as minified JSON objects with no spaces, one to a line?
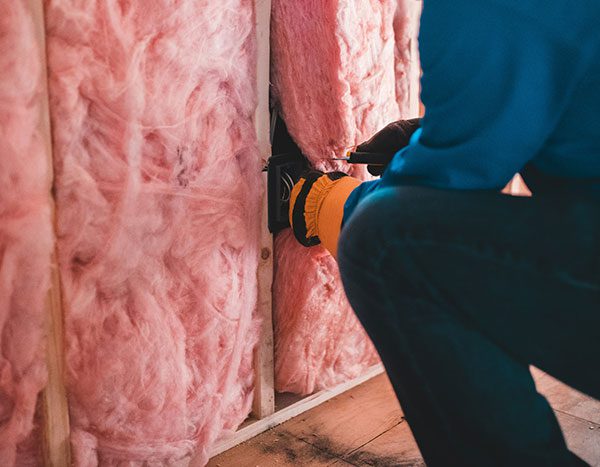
{"x":407,"y":66}
{"x":335,"y":67}
{"x":319,"y":342}
{"x":26,"y":238}
{"x":158,"y":186}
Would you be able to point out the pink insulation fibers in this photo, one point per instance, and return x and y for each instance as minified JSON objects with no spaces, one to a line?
{"x":318,"y":340}
{"x":408,"y":70}
{"x":158,"y":187}
{"x":26,"y":238}
{"x":335,"y":66}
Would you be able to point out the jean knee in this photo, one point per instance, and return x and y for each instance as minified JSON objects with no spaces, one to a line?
{"x":357,"y":256}
{"x":376,"y":251}
{"x":368,"y":226}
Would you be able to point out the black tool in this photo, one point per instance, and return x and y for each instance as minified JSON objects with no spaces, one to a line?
{"x":283,"y":171}
{"x":370,"y":158}
{"x":287,"y":164}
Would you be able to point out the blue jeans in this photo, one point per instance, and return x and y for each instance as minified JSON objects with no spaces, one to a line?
{"x":460,"y":292}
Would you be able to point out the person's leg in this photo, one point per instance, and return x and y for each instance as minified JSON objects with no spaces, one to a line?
{"x":460,"y":292}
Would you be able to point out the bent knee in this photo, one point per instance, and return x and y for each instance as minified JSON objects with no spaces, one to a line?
{"x":359,"y":231}
{"x":378,"y":220}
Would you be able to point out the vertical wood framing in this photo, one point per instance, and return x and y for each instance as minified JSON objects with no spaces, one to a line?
{"x":57,"y":449}
{"x":55,"y":412}
{"x":264,"y":390}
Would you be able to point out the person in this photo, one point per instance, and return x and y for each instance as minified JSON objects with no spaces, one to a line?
{"x":460,"y":287}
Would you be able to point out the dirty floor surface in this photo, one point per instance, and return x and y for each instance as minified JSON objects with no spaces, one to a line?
{"x":365,"y":427}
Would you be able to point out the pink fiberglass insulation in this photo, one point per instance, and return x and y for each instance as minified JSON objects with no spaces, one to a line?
{"x":335,"y":67}
{"x":26,"y":237}
{"x":158,"y":187}
{"x":408,"y":69}
{"x":318,"y":340}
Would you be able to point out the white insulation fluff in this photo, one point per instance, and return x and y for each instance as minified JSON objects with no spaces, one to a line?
{"x":341,"y":71}
{"x":158,"y":185}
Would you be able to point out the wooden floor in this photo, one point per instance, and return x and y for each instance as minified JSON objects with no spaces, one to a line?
{"x":365,"y":427}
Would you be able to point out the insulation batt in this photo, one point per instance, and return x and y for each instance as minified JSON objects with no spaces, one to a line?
{"x":341,"y":71}
{"x":158,"y":185}
{"x":26,"y":238}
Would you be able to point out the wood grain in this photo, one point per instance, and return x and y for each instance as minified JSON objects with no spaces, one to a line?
{"x":583,"y":437}
{"x":288,"y":406}
{"x":568,"y":400}
{"x":57,"y":450}
{"x":395,"y":447}
{"x":350,"y":420}
{"x":274,"y":447}
{"x":55,"y":409}
{"x":325,"y":434}
{"x":264,"y":389}
{"x":364,"y":427}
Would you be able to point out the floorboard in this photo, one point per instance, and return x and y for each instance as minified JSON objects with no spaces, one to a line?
{"x":583,"y":437}
{"x":568,"y":400}
{"x":359,"y":416}
{"x":365,"y":427}
{"x":395,"y":447}
{"x":275,"y":447}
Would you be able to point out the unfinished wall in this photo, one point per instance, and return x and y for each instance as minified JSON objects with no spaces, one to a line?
{"x":157,"y":178}
{"x":25,"y":234}
{"x":157,"y":189}
{"x":341,"y":71}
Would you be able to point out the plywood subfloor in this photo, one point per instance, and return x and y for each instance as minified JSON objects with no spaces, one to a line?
{"x":365,"y":427}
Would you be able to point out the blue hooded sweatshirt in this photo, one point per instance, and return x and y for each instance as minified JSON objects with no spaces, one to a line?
{"x":509,"y":86}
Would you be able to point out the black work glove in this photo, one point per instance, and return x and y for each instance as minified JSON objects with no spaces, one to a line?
{"x":389,"y":140}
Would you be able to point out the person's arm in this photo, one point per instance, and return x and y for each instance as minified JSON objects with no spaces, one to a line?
{"x":317,"y":200}
{"x":497,"y":75}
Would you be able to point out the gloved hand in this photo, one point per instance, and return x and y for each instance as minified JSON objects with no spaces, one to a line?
{"x":317,"y":200}
{"x":317,"y":207}
{"x":389,"y":140}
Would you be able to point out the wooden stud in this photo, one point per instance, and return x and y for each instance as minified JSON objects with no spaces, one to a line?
{"x":264,"y":367}
{"x":264,"y":390}
{"x":55,"y":411}
{"x":57,"y":450}
{"x":265,"y":415}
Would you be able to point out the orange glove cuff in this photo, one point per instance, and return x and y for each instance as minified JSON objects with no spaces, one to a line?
{"x":319,"y":218}
{"x":331,"y":214}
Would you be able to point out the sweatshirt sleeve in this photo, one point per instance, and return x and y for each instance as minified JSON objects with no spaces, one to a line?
{"x":495,"y":82}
